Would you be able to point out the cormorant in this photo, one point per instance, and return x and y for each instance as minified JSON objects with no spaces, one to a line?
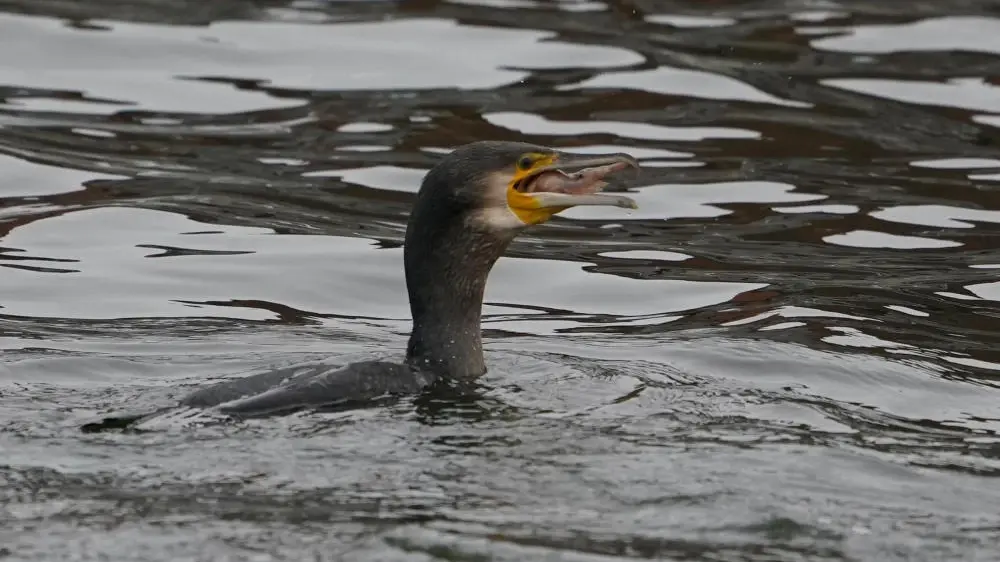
{"x":469,"y":208}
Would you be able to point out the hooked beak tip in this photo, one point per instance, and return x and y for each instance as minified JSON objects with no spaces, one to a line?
{"x":614,"y":162}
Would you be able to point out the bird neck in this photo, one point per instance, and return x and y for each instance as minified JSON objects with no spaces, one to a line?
{"x":446,"y":271}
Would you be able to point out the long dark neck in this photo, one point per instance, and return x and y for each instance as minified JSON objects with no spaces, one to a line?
{"x":447,"y":264}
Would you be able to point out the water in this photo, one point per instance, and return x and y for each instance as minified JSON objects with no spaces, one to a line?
{"x":788,"y":352}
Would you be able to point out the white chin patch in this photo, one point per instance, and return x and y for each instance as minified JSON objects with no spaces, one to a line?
{"x":497,"y":217}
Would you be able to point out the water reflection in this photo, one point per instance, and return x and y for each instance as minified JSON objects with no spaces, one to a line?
{"x":23,"y":178}
{"x":359,"y":56}
{"x":682,"y":82}
{"x":872,"y":239}
{"x":951,"y":33}
{"x":696,"y":200}
{"x":538,"y":125}
{"x":964,"y":93}
{"x":686,"y":21}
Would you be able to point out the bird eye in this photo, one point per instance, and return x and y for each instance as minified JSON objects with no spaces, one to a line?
{"x":525,"y":163}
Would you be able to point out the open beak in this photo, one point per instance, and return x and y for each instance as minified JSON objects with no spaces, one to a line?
{"x":569,"y":180}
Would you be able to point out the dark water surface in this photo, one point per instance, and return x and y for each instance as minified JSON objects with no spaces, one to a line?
{"x":789,"y":352}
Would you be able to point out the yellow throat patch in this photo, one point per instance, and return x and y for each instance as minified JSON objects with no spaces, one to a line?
{"x":523,"y":205}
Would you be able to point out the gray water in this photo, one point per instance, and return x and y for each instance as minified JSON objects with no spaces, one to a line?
{"x":788,"y":352}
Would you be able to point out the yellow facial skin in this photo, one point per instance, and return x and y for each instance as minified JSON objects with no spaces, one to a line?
{"x":523,"y":205}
